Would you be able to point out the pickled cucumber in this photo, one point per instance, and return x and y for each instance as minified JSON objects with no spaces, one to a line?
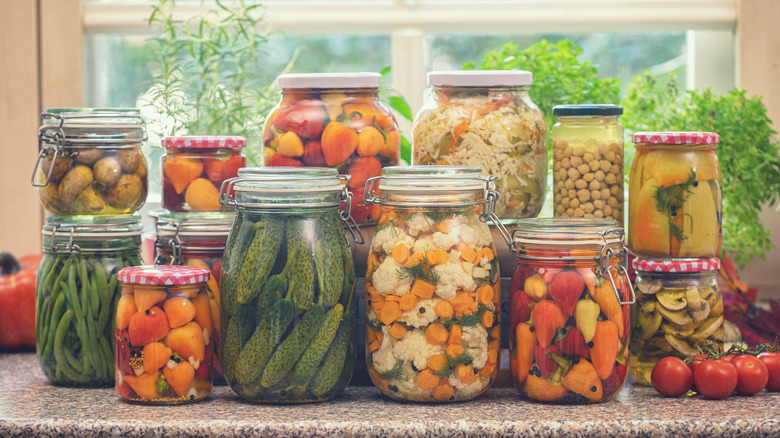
{"x":293,"y":346}
{"x":335,"y":360}
{"x":305,"y":367}
{"x":258,"y":349}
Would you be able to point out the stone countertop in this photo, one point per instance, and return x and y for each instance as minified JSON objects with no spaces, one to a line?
{"x":29,"y":405}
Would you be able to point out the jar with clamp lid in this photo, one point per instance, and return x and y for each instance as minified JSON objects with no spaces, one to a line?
{"x":90,"y":161}
{"x":570,"y":306}
{"x":77,"y":294}
{"x":433,"y":288}
{"x":288,"y":307}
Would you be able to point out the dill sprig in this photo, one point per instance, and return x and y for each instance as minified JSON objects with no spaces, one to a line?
{"x":670,"y":199}
{"x":394,"y":373}
{"x":465,"y":320}
{"x":491,"y":273}
{"x":374,"y":324}
{"x":461,"y":359}
{"x":421,"y":270}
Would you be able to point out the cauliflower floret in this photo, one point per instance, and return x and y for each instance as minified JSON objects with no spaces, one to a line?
{"x":384,"y":360}
{"x":444,"y":240}
{"x":408,"y":386}
{"x":451,"y":277}
{"x":423,"y":244}
{"x":422,"y":314}
{"x":417,"y":224}
{"x":389,"y":237}
{"x":387,"y":281}
{"x":476,"y":237}
{"x":464,"y":391}
{"x":475,"y":343}
{"x":414,"y":347}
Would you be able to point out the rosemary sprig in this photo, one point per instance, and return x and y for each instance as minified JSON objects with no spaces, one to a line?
{"x":461,"y":359}
{"x":421,"y":270}
{"x":670,"y":199}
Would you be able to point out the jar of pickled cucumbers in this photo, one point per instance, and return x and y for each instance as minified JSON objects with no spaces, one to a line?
{"x":486,"y":118}
{"x":334,"y":120}
{"x":569,"y":310}
{"x":288,"y":304}
{"x":678,"y":311}
{"x":433,"y":289}
{"x":164,"y":334}
{"x":674,"y":208}
{"x":194,"y":169}
{"x":90,"y":161}
{"x":77,"y":293}
{"x":588,"y":162}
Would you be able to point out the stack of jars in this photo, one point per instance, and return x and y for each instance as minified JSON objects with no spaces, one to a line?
{"x":675,"y":232}
{"x":92,"y":177}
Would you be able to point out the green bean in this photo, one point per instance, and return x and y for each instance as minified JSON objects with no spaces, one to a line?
{"x":108,"y":353}
{"x":99,"y":286}
{"x":41,"y":329}
{"x":73,"y":299}
{"x":56,"y":315}
{"x":72,"y":360}
{"x":95,"y":304}
{"x":50,"y":276}
{"x":84,"y":281}
{"x":59,"y":353}
{"x":91,"y":344}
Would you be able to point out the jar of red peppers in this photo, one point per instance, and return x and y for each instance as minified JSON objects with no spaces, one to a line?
{"x":334,"y":120}
{"x":194,"y":168}
{"x":164,"y":334}
{"x":569,"y":310}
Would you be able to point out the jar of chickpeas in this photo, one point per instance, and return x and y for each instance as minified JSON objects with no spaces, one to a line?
{"x":588,"y":162}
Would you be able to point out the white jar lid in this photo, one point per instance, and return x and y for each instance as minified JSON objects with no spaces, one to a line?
{"x":329,"y":80}
{"x":480,"y":78}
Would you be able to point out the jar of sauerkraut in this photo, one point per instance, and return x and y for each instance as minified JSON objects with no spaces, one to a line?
{"x":487,"y":119}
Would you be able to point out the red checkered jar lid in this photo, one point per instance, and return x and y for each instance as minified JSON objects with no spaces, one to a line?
{"x":681,"y":138}
{"x":681,"y":265}
{"x":205,"y":142}
{"x":163,"y":275}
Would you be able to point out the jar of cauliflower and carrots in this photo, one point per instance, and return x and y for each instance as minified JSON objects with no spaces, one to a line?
{"x":432,"y":284}
{"x":569,"y":310}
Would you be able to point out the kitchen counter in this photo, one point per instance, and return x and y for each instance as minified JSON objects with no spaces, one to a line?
{"x":29,"y":405}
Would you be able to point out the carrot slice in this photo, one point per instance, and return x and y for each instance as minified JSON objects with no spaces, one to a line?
{"x":408,"y":301}
{"x":444,"y":309}
{"x":436,"y":334}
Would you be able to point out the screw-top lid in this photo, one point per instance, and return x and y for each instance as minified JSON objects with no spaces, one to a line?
{"x":163,"y":275}
{"x":205,"y":142}
{"x":480,"y":78}
{"x":588,"y":110}
{"x":680,"y":265}
{"x":677,"y":137}
{"x":329,"y":80}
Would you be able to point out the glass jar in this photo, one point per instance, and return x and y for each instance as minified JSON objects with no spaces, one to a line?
{"x":678,"y":311}
{"x":163,"y":334}
{"x":194,"y":169}
{"x":486,"y":119}
{"x":91,"y":162}
{"x":288,"y":280}
{"x":433,"y":289}
{"x":674,"y":202}
{"x":77,"y":293}
{"x":569,"y":310}
{"x":196,"y":239}
{"x":588,"y":162}
{"x":334,"y":120}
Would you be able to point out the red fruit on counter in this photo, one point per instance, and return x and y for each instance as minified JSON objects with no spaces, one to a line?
{"x":218,"y":170}
{"x":547,"y":319}
{"x":304,"y":118}
{"x":279,"y":160}
{"x":566,"y":289}
{"x":546,"y":365}
{"x":17,"y":300}
{"x":148,"y":326}
{"x":572,"y":343}
{"x":363,"y":168}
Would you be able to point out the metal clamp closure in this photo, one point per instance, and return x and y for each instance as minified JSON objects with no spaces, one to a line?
{"x":59,"y":151}
{"x":174,"y":243}
{"x":606,"y":254}
{"x":225,"y":190}
{"x":70,"y":247}
{"x":345,"y":214}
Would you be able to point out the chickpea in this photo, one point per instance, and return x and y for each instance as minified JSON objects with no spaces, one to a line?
{"x":599,"y":175}
{"x":599,"y":204}
{"x":595,"y":194}
{"x":610,"y":156}
{"x":583,"y":168}
{"x":603,"y":148}
{"x":594,"y":185}
{"x":583,"y":195}
{"x":576,"y":161}
{"x":612,"y":202}
{"x":587,"y":157}
{"x":579,"y":151}
{"x":605,"y":165}
{"x":619,"y":195}
{"x":598,"y":214}
{"x":615,"y":169}
{"x":594,"y":165}
{"x":559,"y":211}
{"x":575,"y":203}
{"x":574,"y":173}
{"x":566,"y":163}
{"x":607,"y":210}
{"x":610,"y":178}
{"x":572,"y":193}
{"x":567,"y":151}
{"x":588,"y":177}
{"x":604,"y":193}
{"x":566,"y":202}
{"x":614,"y":190}
{"x":616,"y":148}
{"x":589,"y":216}
{"x":557,"y":153}
{"x":559,"y":185}
{"x":562,"y":174}
{"x":580,"y":183}
{"x":569,"y":212}
{"x":588,"y":207}
{"x":557,"y":165}
{"x":579,"y":212}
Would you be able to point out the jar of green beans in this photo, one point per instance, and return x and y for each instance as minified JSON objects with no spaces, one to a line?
{"x":76,"y":295}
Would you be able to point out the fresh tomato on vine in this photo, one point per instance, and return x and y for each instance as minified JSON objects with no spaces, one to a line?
{"x":753,"y":374}
{"x":772,"y":362}
{"x":716,"y":378}
{"x":671,"y":377}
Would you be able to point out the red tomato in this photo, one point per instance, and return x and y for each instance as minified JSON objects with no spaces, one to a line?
{"x":671,"y":377}
{"x":753,"y":374}
{"x":696,"y":361}
{"x":772,"y":362}
{"x":716,"y":378}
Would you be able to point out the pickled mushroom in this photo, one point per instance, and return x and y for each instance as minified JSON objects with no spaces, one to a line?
{"x":679,"y":317}
{"x":129,"y":159}
{"x":698,"y":308}
{"x":650,"y":288}
{"x":681,"y":346}
{"x":107,"y":171}
{"x":88,"y":155}
{"x":672,"y":299}
{"x":126,"y":192}
{"x":61,"y":165}
{"x":91,"y":200}
{"x":660,"y":343}
{"x":649,"y":322}
{"x":708,"y":328}
{"x":74,"y":182}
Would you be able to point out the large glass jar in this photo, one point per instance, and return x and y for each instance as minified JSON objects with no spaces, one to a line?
{"x":678,"y":311}
{"x":433,"y":289}
{"x":288,"y":280}
{"x":77,"y":293}
{"x":194,"y":169}
{"x":588,"y":162}
{"x":164,"y":334}
{"x":90,"y":161}
{"x":569,"y":310}
{"x":486,"y":119}
{"x":334,"y":120}
{"x":197,"y":239}
{"x":674,"y":202}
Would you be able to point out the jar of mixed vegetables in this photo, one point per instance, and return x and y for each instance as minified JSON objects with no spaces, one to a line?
{"x":486,"y":119}
{"x":288,"y":279}
{"x":674,"y":203}
{"x":678,"y":311}
{"x":569,"y":310}
{"x":433,"y":288}
{"x":164,"y":334}
{"x":588,"y":162}
{"x":90,"y":161}
{"x":77,"y":294}
{"x":333,"y":120}
{"x":194,"y":169}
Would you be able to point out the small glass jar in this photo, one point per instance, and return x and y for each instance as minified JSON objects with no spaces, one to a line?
{"x":678,"y":311}
{"x":334,"y":120}
{"x":569,"y":310}
{"x":194,"y":169}
{"x":674,"y":203}
{"x":588,"y":162}
{"x":487,"y":119}
{"x":288,"y":280}
{"x":91,"y":162}
{"x":164,"y":334}
{"x":433,"y":289}
{"x":76,"y":295}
